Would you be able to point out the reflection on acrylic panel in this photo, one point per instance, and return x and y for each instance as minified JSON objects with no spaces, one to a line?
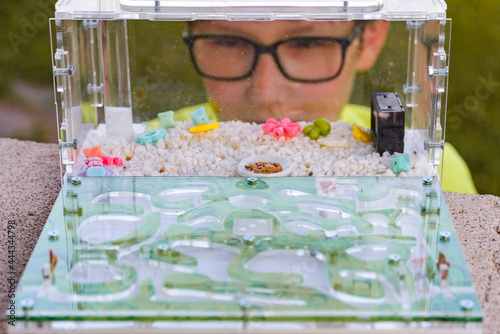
{"x":145,"y":251}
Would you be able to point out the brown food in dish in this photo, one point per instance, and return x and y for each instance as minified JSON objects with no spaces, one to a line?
{"x":264,"y":167}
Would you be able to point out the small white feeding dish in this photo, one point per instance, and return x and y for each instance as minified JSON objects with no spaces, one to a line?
{"x":285,"y":163}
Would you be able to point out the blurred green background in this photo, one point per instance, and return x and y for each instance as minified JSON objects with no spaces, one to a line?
{"x":473,"y":125}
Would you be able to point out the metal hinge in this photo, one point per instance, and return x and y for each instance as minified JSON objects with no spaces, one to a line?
{"x":73,"y":145}
{"x":438,"y":72}
{"x":428,"y":144}
{"x":63,"y":71}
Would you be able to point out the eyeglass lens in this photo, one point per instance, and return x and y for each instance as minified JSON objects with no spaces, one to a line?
{"x":224,"y":56}
{"x":308,"y":58}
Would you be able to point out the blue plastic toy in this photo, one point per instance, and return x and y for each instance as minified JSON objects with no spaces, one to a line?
{"x":199,"y":116}
{"x":400,"y":163}
{"x":166,"y":119}
{"x":96,"y":171}
{"x":151,"y":137}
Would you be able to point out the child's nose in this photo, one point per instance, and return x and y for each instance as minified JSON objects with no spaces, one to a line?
{"x":266,"y":78}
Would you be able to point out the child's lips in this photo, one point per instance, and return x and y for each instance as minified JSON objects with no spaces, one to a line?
{"x":259,"y":113}
{"x":294,"y":114}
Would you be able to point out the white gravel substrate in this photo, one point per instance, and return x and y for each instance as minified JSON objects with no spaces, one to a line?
{"x":217,"y":153}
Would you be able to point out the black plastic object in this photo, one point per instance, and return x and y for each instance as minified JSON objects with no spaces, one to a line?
{"x":387,"y":123}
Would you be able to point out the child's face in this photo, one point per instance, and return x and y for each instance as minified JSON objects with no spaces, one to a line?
{"x":267,"y":92}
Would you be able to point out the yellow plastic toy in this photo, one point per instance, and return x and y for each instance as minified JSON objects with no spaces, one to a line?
{"x":204,"y":127}
{"x":361,"y":134}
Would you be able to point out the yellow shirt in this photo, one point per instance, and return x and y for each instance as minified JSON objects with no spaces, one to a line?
{"x":457,"y":176}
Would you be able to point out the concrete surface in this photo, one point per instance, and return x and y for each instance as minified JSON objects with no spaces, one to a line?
{"x":30,"y":183}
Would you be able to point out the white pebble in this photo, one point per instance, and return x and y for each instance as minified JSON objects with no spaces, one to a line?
{"x":217,"y":152}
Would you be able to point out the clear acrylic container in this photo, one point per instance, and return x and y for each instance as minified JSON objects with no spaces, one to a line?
{"x":172,"y":237}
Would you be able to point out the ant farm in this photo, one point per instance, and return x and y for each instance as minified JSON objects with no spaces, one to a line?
{"x":181,"y":212}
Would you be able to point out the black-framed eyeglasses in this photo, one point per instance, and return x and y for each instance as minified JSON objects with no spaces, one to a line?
{"x":302,"y":59}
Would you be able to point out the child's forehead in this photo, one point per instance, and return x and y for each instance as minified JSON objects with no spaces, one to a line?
{"x":275,"y":28}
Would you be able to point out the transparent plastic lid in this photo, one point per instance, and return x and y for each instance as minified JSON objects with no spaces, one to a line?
{"x":252,"y":10}
{"x":259,"y":5}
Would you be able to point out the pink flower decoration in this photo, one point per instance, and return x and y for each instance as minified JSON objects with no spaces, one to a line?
{"x":278,"y":129}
